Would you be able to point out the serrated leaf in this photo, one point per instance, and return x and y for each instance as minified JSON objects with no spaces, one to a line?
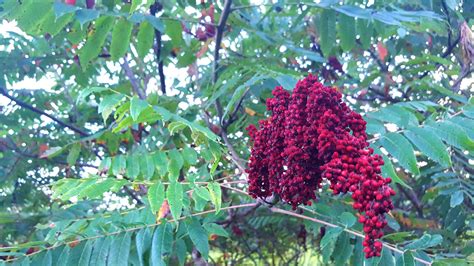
{"x":161,"y":244}
{"x":217,"y":229}
{"x":64,"y":257}
{"x":137,"y":106}
{"x":94,"y":43}
{"x":395,"y":114}
{"x":120,"y":38}
{"x":198,"y":236}
{"x":107,"y":105}
{"x":87,"y":15}
{"x":88,"y":91}
{"x":74,"y":153}
{"x":181,"y":251}
{"x":120,"y":250}
{"x":174,"y":127}
{"x":156,"y":196}
{"x":429,"y":144}
{"x":145,"y":37}
{"x":365,"y":29}
{"x":100,"y":251}
{"x":399,"y":147}
{"x":133,"y":167}
{"x":327,"y":31}
{"x":389,"y":171}
{"x":190,"y":155}
{"x":147,"y":166}
{"x":347,"y":219}
{"x":347,"y":33}
{"x":239,"y":93}
{"x":174,"y":194}
{"x":386,"y":258}
{"x":96,"y":189}
{"x":86,"y":254}
{"x":143,"y":242}
{"x":286,"y":81}
{"x":175,"y":32}
{"x":344,"y":249}
{"x":328,"y":242}
{"x":330,"y":236}
{"x":216,"y":195}
{"x":175,"y":164}
{"x":61,"y":9}
{"x":202,"y":192}
{"x":456,"y":198}
{"x":452,"y":134}
{"x":161,"y":162}
{"x":408,"y":259}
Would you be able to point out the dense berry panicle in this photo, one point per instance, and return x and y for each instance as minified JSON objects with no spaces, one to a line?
{"x":313,"y":136}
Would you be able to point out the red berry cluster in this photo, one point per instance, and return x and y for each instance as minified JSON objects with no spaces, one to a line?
{"x":313,"y":136}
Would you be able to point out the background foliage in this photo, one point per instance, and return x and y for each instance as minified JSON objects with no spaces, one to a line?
{"x":135,"y":154}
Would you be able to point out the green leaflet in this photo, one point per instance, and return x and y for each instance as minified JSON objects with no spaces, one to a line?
{"x":347,"y":33}
{"x":145,"y":37}
{"x":120,"y":38}
{"x":161,"y":244}
{"x":216,"y":195}
{"x":137,"y":106}
{"x":175,"y":164}
{"x":174,"y":194}
{"x":156,"y":196}
{"x":452,"y":134}
{"x":365,"y":29}
{"x":327,"y":31}
{"x":94,"y":43}
{"x":400,"y":148}
{"x":428,"y":143}
{"x":198,"y":235}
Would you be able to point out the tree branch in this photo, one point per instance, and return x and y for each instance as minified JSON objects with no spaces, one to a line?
{"x":220,"y":32}
{"x":133,"y":80}
{"x":245,"y":205}
{"x":413,"y":198}
{"x":23,"y":104}
{"x":153,"y":10}
{"x":282,"y":211}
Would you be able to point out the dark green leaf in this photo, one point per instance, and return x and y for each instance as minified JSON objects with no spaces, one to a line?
{"x":399,"y":147}
{"x":327,"y":31}
{"x":347,"y":33}
{"x":174,"y":194}
{"x":429,"y":144}
{"x":198,"y":235}
{"x":120,"y":38}
{"x":94,"y":43}
{"x":156,"y":196}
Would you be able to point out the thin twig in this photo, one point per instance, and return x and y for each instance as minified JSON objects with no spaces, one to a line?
{"x":282,"y":211}
{"x":133,"y":80}
{"x":219,"y":33}
{"x":153,"y":10}
{"x":3,"y":91}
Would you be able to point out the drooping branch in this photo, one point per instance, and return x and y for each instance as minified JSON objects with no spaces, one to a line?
{"x":156,"y":7}
{"x":133,"y":229}
{"x":219,"y":33}
{"x":23,"y":104}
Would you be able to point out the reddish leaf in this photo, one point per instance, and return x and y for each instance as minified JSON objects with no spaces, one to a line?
{"x":382,"y":51}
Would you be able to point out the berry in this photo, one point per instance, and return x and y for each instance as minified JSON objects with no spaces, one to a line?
{"x":313,"y":136}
